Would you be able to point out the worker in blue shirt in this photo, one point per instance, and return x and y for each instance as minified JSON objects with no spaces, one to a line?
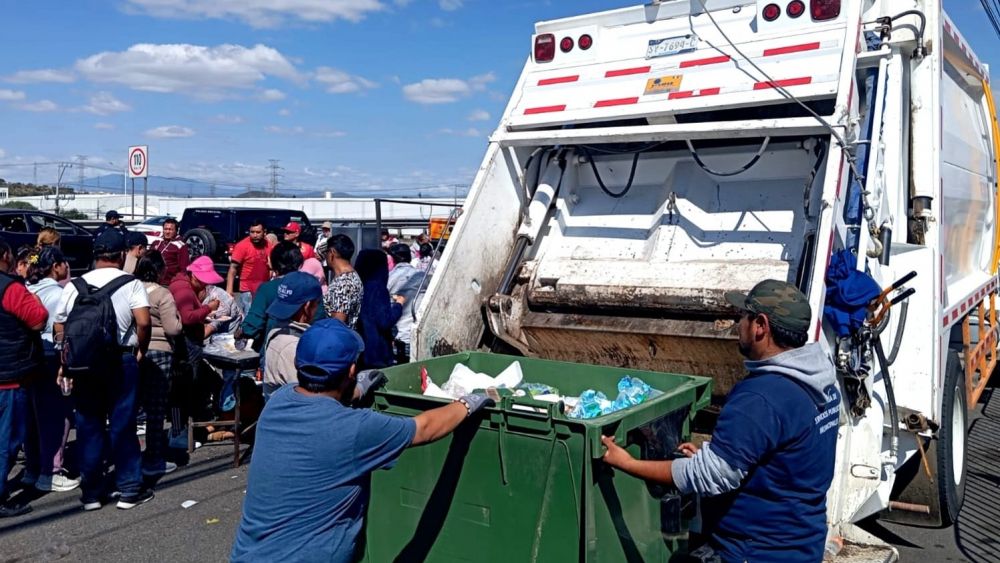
{"x":308,"y":484}
{"x":764,"y":475}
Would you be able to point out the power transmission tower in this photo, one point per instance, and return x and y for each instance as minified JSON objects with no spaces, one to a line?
{"x":82,"y":163}
{"x":274,"y":176}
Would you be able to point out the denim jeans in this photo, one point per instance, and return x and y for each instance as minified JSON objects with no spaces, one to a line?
{"x":107,"y":404}
{"x":13,"y":416}
{"x":243,"y":300}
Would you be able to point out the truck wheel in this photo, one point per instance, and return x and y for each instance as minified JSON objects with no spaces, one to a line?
{"x":951,"y":453}
{"x":200,"y":242}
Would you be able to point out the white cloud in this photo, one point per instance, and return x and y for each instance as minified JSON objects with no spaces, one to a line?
{"x":271,"y":95}
{"x":479,"y":115}
{"x":284,"y":112}
{"x":41,"y":75}
{"x":450,"y":5}
{"x":339,"y":82}
{"x":104,"y":126}
{"x":261,"y":13}
{"x":105,"y":104}
{"x":40,"y":106}
{"x":226,"y":118}
{"x":194,"y":70}
{"x":2,"y":153}
{"x":470,"y":132}
{"x":445,"y":90}
{"x":170,"y":132}
{"x":11,"y":95}
{"x":300,"y":130}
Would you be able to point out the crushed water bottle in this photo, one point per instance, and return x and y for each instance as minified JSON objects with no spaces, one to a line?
{"x":592,"y":405}
{"x":631,"y":392}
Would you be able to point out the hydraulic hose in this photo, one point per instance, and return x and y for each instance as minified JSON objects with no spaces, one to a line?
{"x":898,"y":341}
{"x":890,"y":397}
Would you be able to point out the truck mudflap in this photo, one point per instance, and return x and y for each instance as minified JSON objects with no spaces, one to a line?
{"x":855,"y":545}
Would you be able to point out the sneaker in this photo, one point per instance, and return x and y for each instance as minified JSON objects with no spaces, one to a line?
{"x":28,"y":479}
{"x":10,"y":509}
{"x":92,"y":505}
{"x":140,"y":429}
{"x":168,"y":467}
{"x":57,"y":482}
{"x":126,"y":502}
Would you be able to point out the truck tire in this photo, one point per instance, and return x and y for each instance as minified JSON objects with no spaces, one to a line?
{"x":951,"y":446}
{"x":200,"y":242}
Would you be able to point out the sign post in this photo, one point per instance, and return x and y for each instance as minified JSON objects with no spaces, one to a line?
{"x":138,"y":167}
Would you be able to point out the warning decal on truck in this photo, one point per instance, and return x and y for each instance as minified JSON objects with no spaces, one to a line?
{"x":663,"y":84}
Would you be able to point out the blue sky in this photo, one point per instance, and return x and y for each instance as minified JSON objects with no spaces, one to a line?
{"x":348,"y":94}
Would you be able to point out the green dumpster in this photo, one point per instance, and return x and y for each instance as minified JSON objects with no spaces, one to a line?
{"x":523,"y":482}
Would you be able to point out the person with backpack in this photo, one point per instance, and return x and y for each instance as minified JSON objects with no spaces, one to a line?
{"x":22,"y":318}
{"x":299,"y":295}
{"x":104,"y":326}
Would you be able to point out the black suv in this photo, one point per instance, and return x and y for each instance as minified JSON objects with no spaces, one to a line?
{"x":213,"y":231}
{"x":20,"y":227}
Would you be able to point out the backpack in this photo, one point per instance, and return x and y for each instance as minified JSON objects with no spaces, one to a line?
{"x":90,"y":334}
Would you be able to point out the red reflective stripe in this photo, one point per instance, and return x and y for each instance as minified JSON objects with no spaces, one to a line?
{"x":616,"y":102}
{"x":544,"y":109}
{"x":782,"y":83}
{"x":626,"y":71}
{"x":693,"y":93}
{"x":791,"y":49}
{"x":706,"y":61}
{"x":560,"y":80}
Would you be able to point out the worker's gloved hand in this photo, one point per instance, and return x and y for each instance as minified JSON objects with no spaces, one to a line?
{"x":476,"y":403}
{"x":368,"y":381}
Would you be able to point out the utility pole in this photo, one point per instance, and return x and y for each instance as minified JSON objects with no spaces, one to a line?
{"x":274,"y":176}
{"x":34,"y":179}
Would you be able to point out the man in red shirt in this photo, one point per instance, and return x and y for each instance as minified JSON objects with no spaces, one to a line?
{"x":174,"y":251}
{"x":292,"y":232}
{"x":249,"y":260}
{"x":22,"y":318}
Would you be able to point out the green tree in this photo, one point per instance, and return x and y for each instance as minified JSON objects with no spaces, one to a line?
{"x":74,"y":214}
{"x":19,"y":205}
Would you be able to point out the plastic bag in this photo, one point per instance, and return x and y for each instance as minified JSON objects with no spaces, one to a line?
{"x":463,"y":381}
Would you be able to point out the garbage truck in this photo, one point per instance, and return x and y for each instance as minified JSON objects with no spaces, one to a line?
{"x":654,"y":157}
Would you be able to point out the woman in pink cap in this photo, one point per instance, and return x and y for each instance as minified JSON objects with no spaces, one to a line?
{"x":314,"y":268}
{"x":185,"y":288}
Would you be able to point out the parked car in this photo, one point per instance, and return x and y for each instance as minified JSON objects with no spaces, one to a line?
{"x":19,"y":227}
{"x":152,"y":227}
{"x":213,"y":231}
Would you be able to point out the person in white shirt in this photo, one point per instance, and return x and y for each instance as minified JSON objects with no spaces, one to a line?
{"x":107,"y":405}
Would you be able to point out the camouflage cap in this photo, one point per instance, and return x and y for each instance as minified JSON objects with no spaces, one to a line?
{"x":782,"y":302}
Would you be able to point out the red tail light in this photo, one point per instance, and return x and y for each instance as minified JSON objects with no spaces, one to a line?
{"x":545,"y":48}
{"x":824,"y":9}
{"x":771,"y":12}
{"x":795,"y":9}
{"x":153,"y":233}
{"x":566,"y":45}
{"x":585,"y":42}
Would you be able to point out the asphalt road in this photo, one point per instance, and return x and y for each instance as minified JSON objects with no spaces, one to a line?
{"x":162,"y":530}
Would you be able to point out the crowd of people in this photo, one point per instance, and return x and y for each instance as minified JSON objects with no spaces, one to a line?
{"x":118,"y":350}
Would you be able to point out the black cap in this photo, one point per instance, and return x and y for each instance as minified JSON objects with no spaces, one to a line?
{"x":133,"y":238}
{"x":112,"y":215}
{"x":109,"y":241}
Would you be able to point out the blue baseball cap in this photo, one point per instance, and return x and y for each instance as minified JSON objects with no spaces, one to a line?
{"x":295,"y":290}
{"x":326,"y":351}
{"x":110,"y":241}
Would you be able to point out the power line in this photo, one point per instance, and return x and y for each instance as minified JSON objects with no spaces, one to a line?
{"x":992,"y":9}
